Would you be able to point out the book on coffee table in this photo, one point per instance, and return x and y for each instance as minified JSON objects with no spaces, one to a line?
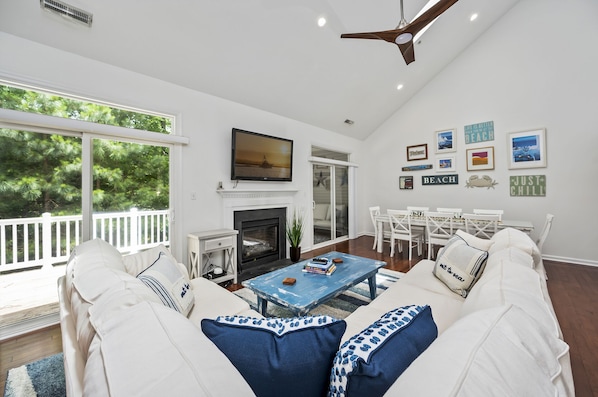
{"x":316,"y":270}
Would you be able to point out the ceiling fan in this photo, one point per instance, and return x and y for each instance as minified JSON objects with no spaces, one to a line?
{"x":403,"y":35}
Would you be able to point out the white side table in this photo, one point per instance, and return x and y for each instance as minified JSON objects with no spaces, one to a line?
{"x":201,"y":246}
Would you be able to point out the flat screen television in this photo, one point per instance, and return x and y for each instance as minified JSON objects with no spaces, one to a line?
{"x":259,"y":157}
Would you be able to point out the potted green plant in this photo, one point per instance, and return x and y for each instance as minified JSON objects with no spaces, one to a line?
{"x":294,"y":231}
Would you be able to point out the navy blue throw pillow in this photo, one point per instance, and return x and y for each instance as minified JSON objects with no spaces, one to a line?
{"x":279,"y":356}
{"x":371,"y":361}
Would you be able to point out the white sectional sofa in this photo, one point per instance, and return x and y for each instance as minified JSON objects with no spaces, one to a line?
{"x":502,"y":339}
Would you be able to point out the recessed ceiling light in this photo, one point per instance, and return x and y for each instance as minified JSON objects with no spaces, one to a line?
{"x":400,"y":87}
{"x":321,"y":21}
{"x":473,"y":17}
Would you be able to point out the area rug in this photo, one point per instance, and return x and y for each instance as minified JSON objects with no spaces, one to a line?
{"x":42,"y":378}
{"x":339,"y":307}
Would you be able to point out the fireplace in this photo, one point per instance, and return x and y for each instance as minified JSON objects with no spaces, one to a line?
{"x":261,"y":237}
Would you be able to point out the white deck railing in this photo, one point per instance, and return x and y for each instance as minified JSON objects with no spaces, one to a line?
{"x":44,"y":241}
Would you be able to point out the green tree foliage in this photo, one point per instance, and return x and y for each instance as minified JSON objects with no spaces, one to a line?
{"x":42,"y":172}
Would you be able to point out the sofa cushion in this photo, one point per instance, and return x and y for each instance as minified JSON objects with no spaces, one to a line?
{"x":459,"y":265}
{"x":509,"y":283}
{"x":139,"y":261}
{"x":370,"y":362}
{"x":172,"y":287}
{"x":279,"y":356}
{"x":479,"y":243}
{"x":93,"y":268}
{"x":494,"y":352}
{"x":150,"y":350}
{"x":446,"y":306}
{"x":513,"y":255}
{"x":509,"y":237}
{"x":89,"y":255}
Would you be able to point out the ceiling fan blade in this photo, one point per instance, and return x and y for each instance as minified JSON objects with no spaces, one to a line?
{"x":387,"y":35}
{"x":407,"y":51}
{"x":371,"y":35}
{"x":413,"y":28}
{"x":427,"y":17}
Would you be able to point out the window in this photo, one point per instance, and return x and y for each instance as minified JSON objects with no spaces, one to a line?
{"x":74,"y":170}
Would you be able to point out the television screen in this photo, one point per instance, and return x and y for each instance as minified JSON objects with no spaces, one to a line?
{"x":259,"y":157}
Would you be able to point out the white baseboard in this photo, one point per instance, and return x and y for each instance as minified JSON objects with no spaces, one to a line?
{"x":575,"y":261}
{"x":27,"y":326}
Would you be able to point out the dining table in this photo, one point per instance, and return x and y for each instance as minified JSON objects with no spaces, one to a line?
{"x":383,"y":220}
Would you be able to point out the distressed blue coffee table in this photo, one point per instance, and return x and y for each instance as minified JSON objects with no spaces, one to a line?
{"x":312,"y":290}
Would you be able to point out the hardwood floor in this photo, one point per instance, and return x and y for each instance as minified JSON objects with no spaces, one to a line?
{"x":573,"y":290}
{"x":27,"y":348}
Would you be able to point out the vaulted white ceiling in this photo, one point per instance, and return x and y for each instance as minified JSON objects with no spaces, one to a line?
{"x":268,"y":54}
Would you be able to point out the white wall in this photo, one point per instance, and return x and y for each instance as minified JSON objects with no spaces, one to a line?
{"x":524,"y":73}
{"x":205,"y":119}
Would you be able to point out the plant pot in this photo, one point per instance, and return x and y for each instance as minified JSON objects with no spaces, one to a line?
{"x":295,"y":253}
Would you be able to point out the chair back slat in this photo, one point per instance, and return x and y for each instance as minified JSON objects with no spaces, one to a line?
{"x":479,"y":225}
{"x":400,"y":221}
{"x":489,"y":212}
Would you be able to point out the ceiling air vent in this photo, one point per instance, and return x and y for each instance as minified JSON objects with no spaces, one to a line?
{"x":67,"y":10}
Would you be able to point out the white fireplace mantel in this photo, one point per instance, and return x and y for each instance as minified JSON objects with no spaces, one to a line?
{"x":249,"y":199}
{"x":255,"y":193}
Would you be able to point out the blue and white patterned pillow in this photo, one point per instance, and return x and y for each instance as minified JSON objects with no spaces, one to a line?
{"x":279,"y":356}
{"x":370,"y":362}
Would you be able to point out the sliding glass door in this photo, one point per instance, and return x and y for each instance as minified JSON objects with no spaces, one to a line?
{"x":330,"y":199}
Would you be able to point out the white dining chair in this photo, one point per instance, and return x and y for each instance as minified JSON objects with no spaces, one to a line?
{"x":545,"y":231}
{"x":401,"y":230}
{"x":418,"y":212}
{"x":489,"y":212}
{"x":439,"y":229}
{"x":481,"y":225}
{"x":374,"y":212}
{"x":455,"y":211}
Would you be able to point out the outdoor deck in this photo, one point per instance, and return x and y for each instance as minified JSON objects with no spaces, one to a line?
{"x":29,"y":297}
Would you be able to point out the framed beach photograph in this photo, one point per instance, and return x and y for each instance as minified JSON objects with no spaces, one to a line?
{"x":527,"y":149}
{"x":446,"y":141}
{"x":480,"y":159}
{"x":417,"y":152}
{"x":445,"y":163}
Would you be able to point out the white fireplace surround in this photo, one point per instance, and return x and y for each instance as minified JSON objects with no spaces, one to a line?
{"x":253,"y":199}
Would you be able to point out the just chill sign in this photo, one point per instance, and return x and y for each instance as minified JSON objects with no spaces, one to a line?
{"x":528,"y":185}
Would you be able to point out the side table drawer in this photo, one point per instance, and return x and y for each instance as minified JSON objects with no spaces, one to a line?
{"x":218,"y":243}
